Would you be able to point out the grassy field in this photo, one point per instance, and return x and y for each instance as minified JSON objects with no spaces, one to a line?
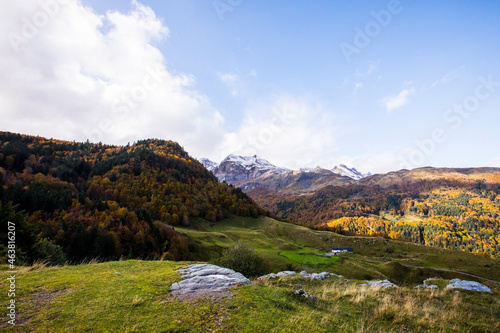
{"x":279,"y":243}
{"x":134,"y":296}
{"x":310,"y":258}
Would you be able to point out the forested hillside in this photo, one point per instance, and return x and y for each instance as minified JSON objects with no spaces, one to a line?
{"x":452,"y":212}
{"x":83,"y":200}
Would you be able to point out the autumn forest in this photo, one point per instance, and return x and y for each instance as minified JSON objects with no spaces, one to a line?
{"x":76,"y":201}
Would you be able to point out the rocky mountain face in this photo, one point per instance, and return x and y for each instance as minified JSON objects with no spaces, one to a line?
{"x":210,"y":165}
{"x":296,"y":181}
{"x":235,"y":169}
{"x":349,"y":172}
{"x":249,"y":172}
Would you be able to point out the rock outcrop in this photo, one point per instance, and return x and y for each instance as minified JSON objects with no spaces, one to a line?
{"x":303,"y":293}
{"x":275,"y":275}
{"x":318,"y":276}
{"x":468,"y":285}
{"x":312,"y":276}
{"x":428,"y":286}
{"x":205,"y":280}
{"x":380,"y":283}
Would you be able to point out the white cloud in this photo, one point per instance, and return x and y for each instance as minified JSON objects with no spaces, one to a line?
{"x":227,"y":77}
{"x":82,"y":76}
{"x":288,"y":131}
{"x":231,"y":82}
{"x":372,"y":67}
{"x":395,"y":102}
{"x":452,"y":75}
{"x":448,"y":77}
{"x":357,"y":86}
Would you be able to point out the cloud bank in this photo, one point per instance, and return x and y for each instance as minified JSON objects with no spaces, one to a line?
{"x":70,"y":73}
{"x":74,"y":74}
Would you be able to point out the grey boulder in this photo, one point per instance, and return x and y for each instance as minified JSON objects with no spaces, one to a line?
{"x":468,"y":285}
{"x":205,"y":279}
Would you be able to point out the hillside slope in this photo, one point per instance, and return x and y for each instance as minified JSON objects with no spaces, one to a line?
{"x":134,"y":296}
{"x":94,"y":200}
{"x":451,"y":208}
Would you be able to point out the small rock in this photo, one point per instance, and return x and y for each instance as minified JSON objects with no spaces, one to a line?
{"x":303,"y":293}
{"x":381,"y":283}
{"x":468,"y":285}
{"x":425,"y":285}
{"x":304,"y":274}
{"x":267,"y":276}
{"x":299,"y":292}
{"x":318,"y":276}
{"x":286,"y":273}
{"x":432,"y":286}
{"x":275,"y":275}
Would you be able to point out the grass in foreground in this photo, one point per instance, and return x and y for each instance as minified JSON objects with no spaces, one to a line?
{"x":133,"y":296}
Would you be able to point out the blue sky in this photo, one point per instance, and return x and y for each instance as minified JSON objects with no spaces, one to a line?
{"x":378,"y":85}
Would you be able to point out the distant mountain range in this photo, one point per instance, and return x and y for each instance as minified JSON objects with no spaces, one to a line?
{"x":248,"y":172}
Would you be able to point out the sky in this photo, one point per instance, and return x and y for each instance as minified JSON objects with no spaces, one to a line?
{"x":375,"y":85}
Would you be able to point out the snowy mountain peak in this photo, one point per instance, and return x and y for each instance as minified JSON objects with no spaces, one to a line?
{"x":349,"y":172}
{"x":316,"y":169}
{"x":236,"y":168}
{"x":210,"y":165}
{"x":252,"y":162}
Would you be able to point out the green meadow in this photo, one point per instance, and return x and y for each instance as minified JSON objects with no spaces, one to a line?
{"x":134,"y":295}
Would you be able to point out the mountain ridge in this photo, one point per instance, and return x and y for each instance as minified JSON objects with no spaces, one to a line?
{"x":248,"y":172}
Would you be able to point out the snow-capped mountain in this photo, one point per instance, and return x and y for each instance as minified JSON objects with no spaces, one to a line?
{"x":252,"y":162}
{"x":349,"y":172}
{"x":316,"y":169}
{"x":237,"y":168}
{"x":248,"y":172}
{"x":210,"y":165}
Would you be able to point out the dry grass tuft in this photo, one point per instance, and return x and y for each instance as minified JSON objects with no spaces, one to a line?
{"x":37,"y":265}
{"x":137,"y":300}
